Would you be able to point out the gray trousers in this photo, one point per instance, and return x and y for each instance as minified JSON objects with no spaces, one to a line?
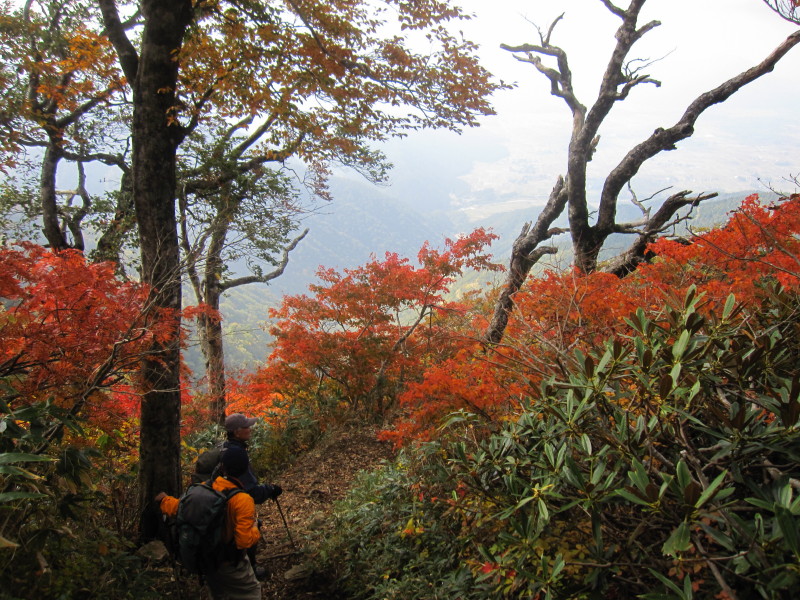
{"x":234,"y":581}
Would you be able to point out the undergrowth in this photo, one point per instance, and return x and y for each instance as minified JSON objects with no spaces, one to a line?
{"x":662,"y":465}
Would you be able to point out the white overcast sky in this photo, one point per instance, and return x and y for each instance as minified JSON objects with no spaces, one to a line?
{"x":514,"y":158}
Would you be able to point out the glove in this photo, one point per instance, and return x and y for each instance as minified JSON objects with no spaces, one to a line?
{"x":275,"y":491}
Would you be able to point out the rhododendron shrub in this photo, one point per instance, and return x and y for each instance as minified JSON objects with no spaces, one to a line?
{"x":362,"y":333}
{"x":71,"y":331}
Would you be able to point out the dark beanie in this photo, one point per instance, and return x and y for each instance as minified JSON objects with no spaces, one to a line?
{"x":235,"y":461}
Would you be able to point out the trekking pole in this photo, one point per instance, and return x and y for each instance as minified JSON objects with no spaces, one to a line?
{"x":285,"y":524}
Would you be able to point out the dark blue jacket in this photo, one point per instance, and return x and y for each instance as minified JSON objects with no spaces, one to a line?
{"x":208,"y":463}
{"x":259,"y":491}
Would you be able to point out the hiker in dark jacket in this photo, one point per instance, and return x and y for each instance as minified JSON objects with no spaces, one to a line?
{"x":238,"y":431}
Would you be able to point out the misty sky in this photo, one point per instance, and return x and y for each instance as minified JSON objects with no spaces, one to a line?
{"x":514,"y":158}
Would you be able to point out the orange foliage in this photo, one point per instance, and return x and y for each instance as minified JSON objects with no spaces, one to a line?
{"x":252,"y":399}
{"x":336,"y":341}
{"x":70,"y":331}
{"x":468,"y":380}
{"x":366,"y":330}
{"x":758,"y":242}
{"x":557,"y":313}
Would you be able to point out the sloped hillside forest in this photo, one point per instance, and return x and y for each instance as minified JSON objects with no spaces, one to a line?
{"x":608,"y":408}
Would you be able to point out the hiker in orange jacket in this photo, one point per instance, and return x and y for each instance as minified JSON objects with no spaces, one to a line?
{"x":234,"y":578}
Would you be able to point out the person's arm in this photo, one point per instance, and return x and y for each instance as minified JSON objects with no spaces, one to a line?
{"x":167,"y":504}
{"x":242,"y":511}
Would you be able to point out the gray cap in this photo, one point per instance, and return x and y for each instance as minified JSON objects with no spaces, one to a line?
{"x":237,"y":421}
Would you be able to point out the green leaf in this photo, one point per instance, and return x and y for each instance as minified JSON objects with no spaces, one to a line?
{"x":684,"y":476}
{"x":789,"y":528}
{"x":11,"y":496}
{"x":604,"y":360}
{"x":17,"y":457}
{"x":17,"y":471}
{"x":729,"y":304}
{"x":770,"y":506}
{"x":675,"y":373}
{"x":548,"y":452}
{"x":639,"y":475}
{"x":709,"y":492}
{"x":687,"y":587}
{"x":587,"y":444}
{"x":543,"y":512}
{"x":670,"y":584}
{"x":631,"y":497}
{"x":523,"y":502}
{"x":680,"y":345}
{"x":678,"y":542}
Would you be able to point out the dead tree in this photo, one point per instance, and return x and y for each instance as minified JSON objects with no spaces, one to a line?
{"x":620,"y":77}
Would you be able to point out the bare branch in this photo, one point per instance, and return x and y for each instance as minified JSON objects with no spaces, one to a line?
{"x":115,"y":30}
{"x":226,"y":285}
{"x":525,"y":254}
{"x":665,"y":139}
{"x":660,"y":222}
{"x":613,"y":8}
{"x":560,"y":77}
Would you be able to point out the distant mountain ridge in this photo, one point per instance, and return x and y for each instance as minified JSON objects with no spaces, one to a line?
{"x":364,"y":220}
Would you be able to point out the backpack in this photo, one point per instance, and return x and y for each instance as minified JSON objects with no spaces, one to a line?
{"x":199,"y":528}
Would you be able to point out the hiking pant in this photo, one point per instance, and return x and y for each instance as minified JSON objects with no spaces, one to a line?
{"x":234,"y":581}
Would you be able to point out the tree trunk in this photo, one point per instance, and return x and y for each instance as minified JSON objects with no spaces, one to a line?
{"x":156,"y":133}
{"x":109,"y":246}
{"x":524,"y":254}
{"x":211,"y":328}
{"x":47,"y":190}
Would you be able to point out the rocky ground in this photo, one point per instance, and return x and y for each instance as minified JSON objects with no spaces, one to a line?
{"x":313,"y":483}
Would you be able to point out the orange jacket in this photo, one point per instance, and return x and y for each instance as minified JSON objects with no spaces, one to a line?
{"x":241,"y":522}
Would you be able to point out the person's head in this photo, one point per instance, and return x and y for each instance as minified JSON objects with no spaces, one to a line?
{"x":234,"y":461}
{"x":238,"y":426}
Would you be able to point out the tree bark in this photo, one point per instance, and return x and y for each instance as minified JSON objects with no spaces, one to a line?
{"x":47,"y":190}
{"x":155,"y":141}
{"x":109,"y":246}
{"x":524,"y":254}
{"x":156,"y":134}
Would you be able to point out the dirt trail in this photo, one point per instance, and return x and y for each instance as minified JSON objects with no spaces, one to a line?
{"x":311,"y":486}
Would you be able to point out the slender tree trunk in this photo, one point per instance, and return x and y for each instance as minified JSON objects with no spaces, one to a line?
{"x":214,"y":353}
{"x":212,"y":343}
{"x":524,"y":254}
{"x":109,"y":246}
{"x":47,"y":190}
